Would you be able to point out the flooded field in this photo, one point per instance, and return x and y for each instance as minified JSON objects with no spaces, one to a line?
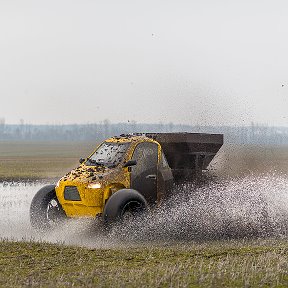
{"x":231,"y":232}
{"x":248,"y":198}
{"x":245,"y":208}
{"x":15,"y":199}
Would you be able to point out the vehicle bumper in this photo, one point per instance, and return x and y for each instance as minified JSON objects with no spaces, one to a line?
{"x":89,"y":203}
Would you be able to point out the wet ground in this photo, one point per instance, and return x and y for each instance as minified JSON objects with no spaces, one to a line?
{"x":245,"y":208}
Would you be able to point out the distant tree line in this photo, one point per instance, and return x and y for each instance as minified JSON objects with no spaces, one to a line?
{"x":253,"y":134}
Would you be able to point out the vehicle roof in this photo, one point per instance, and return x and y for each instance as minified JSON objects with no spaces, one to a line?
{"x":126,"y":138}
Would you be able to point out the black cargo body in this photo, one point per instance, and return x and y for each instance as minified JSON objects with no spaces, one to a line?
{"x":188,"y":153}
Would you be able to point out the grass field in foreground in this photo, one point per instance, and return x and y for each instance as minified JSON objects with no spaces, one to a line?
{"x":206,"y":265}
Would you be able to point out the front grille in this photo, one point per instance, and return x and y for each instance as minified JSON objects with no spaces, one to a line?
{"x":71,"y":193}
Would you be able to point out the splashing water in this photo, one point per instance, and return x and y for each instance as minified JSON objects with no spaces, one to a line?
{"x":242,"y":208}
{"x":254,"y":206}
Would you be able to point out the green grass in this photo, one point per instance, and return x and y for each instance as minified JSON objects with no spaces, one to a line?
{"x":39,"y":160}
{"x":194,"y":265}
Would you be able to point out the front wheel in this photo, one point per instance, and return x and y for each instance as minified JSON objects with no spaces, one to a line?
{"x":45,"y":210}
{"x":124,"y":205}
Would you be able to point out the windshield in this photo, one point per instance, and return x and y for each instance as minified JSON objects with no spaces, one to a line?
{"x":108,"y":154}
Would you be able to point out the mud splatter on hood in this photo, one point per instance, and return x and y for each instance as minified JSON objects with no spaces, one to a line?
{"x":88,"y":173}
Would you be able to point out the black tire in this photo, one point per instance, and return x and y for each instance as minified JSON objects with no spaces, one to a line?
{"x":45,"y":210}
{"x":122,"y":202}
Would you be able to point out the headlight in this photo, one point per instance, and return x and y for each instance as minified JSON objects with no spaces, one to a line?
{"x":94,"y":185}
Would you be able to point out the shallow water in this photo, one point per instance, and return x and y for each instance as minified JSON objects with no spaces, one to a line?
{"x":250,"y":207}
{"x":15,"y":199}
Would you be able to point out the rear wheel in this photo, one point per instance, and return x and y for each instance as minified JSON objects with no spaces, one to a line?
{"x":45,"y":211}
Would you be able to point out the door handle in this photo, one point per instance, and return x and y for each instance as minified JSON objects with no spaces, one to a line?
{"x":153,"y":176}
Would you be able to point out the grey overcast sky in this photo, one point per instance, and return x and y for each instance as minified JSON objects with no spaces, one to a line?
{"x":203,"y":62}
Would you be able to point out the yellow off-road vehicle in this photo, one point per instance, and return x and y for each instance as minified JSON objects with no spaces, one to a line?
{"x":125,"y":174}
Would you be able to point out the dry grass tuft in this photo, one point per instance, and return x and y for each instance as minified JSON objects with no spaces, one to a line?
{"x":209,"y":265}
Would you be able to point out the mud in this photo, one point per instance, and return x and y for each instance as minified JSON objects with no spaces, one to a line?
{"x":245,"y":208}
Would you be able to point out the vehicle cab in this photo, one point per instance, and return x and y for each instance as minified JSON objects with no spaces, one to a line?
{"x":134,"y":162}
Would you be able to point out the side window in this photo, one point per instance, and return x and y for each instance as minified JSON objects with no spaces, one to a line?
{"x":146,"y":155}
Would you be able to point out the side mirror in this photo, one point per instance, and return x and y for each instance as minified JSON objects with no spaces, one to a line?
{"x":81,"y":160}
{"x":130,"y":163}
